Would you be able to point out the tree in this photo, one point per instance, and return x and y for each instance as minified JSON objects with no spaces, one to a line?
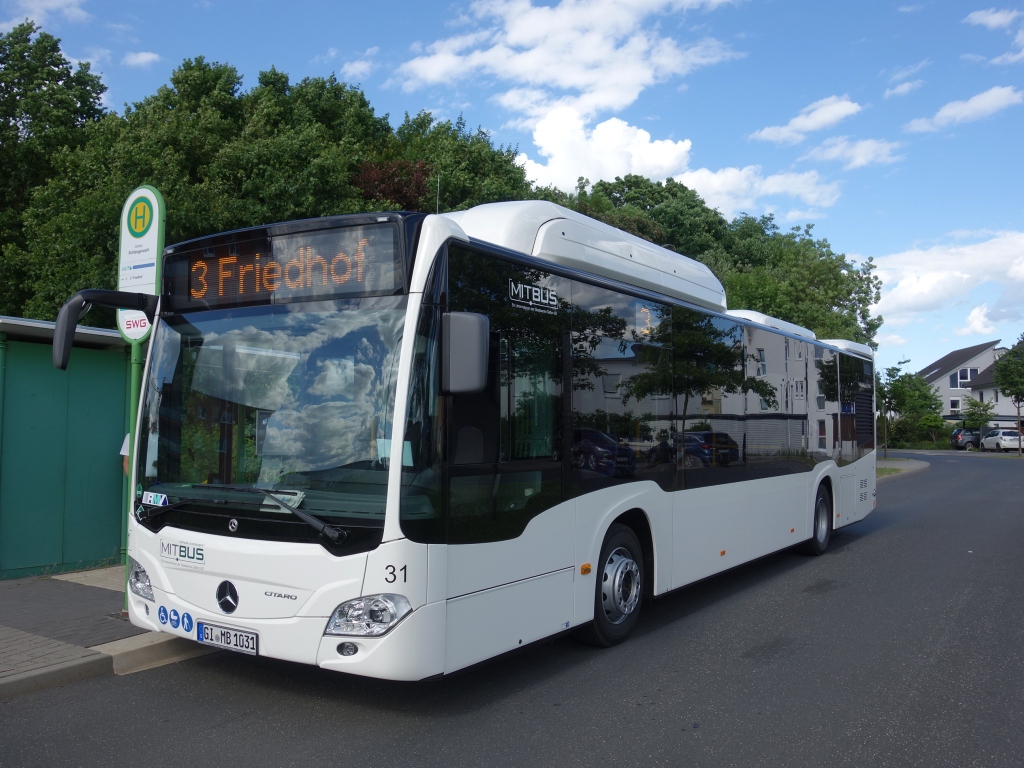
{"x":45,"y":104}
{"x":885,"y":396}
{"x":977,"y":414}
{"x":1009,"y":377}
{"x":933,"y":425}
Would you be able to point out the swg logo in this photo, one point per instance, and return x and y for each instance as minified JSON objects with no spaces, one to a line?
{"x":532,"y":297}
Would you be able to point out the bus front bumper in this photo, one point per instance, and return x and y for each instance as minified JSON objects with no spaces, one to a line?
{"x":412,"y":650}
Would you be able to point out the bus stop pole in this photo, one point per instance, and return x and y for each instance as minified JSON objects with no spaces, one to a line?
{"x":133,"y":410}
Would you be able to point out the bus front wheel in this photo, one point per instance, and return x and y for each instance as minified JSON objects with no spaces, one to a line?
{"x":822,"y":531}
{"x":619,"y":589}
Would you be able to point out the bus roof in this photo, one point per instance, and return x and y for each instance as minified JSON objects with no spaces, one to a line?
{"x":553,"y":233}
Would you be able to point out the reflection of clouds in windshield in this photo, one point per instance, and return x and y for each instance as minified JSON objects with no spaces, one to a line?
{"x":327,"y":377}
{"x":317,"y":437}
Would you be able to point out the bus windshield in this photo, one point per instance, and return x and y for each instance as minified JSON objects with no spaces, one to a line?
{"x":292,"y":398}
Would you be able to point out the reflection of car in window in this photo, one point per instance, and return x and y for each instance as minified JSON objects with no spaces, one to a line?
{"x":598,"y":452}
{"x":720,"y":447}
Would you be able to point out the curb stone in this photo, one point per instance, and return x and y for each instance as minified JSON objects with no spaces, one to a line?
{"x":93,"y":665}
{"x":121,"y":657}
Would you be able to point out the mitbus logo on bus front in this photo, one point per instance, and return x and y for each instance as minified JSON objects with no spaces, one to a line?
{"x":532,"y":296}
{"x":253,"y":275}
{"x":183,"y":553}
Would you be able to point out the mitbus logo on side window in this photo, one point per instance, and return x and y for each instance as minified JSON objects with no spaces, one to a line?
{"x":532,"y":297}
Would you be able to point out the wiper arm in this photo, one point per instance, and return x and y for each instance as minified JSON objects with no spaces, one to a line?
{"x":152,"y":510}
{"x":317,"y":524}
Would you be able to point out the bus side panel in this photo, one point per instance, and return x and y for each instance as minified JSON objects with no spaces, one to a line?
{"x":856,"y":491}
{"x":722,"y":526}
{"x":596,"y":511}
{"x":484,"y":624}
{"x":545,"y":546}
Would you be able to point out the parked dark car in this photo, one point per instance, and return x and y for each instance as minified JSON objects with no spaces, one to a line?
{"x":695,"y":453}
{"x":598,"y":452}
{"x":965,"y":439}
{"x":720,"y":445}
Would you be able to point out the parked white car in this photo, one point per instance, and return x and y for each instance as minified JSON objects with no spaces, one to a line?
{"x":1001,"y":440}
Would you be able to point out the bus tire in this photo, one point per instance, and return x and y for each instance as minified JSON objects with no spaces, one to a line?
{"x":619,"y":590}
{"x":821,"y":533}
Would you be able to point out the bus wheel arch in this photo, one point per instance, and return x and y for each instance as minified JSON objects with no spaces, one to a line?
{"x":636,"y":520}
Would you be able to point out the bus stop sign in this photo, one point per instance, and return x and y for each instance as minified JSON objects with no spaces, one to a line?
{"x":142,"y":244}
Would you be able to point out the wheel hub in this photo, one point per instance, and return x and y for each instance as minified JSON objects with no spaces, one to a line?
{"x":620,"y":586}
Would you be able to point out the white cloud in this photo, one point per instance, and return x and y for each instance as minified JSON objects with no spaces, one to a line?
{"x":891,"y":340}
{"x":40,"y":12}
{"x":803,"y":215}
{"x":1012,"y":57}
{"x":992,"y":18}
{"x":355,"y":70}
{"x":140,"y":59}
{"x":904,"y":72}
{"x":589,"y":55}
{"x":977,"y":107}
{"x":733,"y":190}
{"x":856,"y":154}
{"x":323,"y":58}
{"x":910,"y":8}
{"x":612,"y":148}
{"x":814,"y":117}
{"x":359,"y":68}
{"x":924,"y":280}
{"x":978,"y":323}
{"x":903,"y":88}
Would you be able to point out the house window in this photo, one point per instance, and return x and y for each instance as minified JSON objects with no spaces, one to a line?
{"x":821,"y":434}
{"x":820,"y":398}
{"x":959,"y":379}
{"x":981,"y":396}
{"x":610,"y":383}
{"x":954,"y":406}
{"x":798,"y":390}
{"x":995,"y":395}
{"x":762,"y":364}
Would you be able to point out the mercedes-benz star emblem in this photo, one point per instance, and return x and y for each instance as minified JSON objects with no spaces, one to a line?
{"x":233,"y":525}
{"x":227,"y":597}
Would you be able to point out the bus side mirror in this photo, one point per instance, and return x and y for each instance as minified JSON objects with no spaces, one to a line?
{"x":465,"y":345}
{"x":79,"y":304}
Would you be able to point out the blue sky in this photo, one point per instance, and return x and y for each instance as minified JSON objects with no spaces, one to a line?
{"x":895,"y":128}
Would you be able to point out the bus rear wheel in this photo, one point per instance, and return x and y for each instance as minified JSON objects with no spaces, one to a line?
{"x":822,"y":532}
{"x":619,"y":589}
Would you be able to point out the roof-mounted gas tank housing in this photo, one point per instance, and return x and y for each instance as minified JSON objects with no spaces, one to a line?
{"x":772,"y":322}
{"x":556,"y":234}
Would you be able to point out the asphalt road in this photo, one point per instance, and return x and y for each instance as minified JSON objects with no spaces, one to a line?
{"x":902,"y":646}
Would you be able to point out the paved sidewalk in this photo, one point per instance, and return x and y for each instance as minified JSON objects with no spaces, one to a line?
{"x":55,"y":630}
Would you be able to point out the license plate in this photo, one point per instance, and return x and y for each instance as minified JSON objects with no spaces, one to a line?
{"x":226,"y":637}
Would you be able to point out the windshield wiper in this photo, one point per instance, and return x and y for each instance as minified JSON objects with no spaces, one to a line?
{"x":317,"y":524}
{"x":152,"y":510}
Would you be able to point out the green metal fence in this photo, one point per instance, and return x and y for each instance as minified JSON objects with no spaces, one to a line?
{"x":62,"y":490}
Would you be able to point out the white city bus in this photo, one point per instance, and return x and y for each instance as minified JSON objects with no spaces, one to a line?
{"x":396,"y":445}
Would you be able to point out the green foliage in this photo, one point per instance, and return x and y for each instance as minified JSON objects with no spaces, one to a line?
{"x":45,"y":105}
{"x":977,"y":414}
{"x":934,"y":426}
{"x":1009,"y":374}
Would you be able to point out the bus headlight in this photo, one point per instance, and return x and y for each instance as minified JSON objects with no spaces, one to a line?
{"x":138,"y":580}
{"x":368,"y":616}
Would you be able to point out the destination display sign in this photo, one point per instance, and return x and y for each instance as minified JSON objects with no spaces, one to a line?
{"x":348,"y":261}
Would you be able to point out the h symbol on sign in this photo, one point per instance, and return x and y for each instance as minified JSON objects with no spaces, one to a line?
{"x":139,"y":217}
